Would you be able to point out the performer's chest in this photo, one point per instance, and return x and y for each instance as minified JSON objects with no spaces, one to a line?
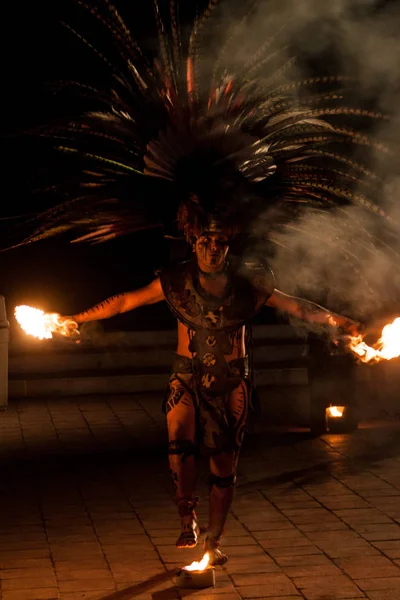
{"x":227,"y":308}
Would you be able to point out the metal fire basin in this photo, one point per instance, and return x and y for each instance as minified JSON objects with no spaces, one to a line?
{"x":195,"y":579}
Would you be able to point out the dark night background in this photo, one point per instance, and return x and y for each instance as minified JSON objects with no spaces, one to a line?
{"x":54,"y":274}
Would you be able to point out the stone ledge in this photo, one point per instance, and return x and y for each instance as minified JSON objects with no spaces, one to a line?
{"x":126,"y":384}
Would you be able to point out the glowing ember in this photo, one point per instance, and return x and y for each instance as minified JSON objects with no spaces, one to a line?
{"x":335,"y":411}
{"x":42,"y":325}
{"x":199,"y":566}
{"x":387,"y":347}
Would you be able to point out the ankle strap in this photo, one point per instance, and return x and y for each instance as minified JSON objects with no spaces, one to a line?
{"x":186,"y":505}
{"x":212,"y":542}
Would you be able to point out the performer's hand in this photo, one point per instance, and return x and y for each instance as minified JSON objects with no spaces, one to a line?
{"x":70,"y":322}
{"x":352,"y":328}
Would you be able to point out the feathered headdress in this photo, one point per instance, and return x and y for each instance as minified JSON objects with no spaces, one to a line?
{"x":223,"y":143}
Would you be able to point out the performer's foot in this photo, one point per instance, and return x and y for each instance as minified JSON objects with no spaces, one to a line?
{"x":190,"y":530}
{"x":217,"y":557}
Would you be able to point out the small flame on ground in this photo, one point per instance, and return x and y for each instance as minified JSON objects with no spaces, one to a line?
{"x":199,"y":565}
{"x":335,"y":411}
{"x":42,"y":325}
{"x":387,"y":347}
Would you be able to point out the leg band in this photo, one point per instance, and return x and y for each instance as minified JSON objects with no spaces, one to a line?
{"x":223,"y":482}
{"x":182,"y":447}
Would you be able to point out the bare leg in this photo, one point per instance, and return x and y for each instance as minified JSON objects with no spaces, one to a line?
{"x":223,"y":476}
{"x":181,"y":422}
{"x":222,"y":479}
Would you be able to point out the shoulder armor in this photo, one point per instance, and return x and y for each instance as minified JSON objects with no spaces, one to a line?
{"x":251,"y":284}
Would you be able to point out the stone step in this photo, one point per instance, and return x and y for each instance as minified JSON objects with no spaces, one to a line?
{"x":126,"y":384}
{"x":132,"y":358}
{"x":97,"y":341}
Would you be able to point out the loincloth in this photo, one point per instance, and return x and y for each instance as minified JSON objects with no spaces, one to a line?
{"x":218,"y":427}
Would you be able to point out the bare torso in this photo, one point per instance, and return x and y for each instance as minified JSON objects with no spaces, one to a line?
{"x":217,"y":288}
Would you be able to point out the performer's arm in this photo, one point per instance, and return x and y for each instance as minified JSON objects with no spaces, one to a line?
{"x":122,"y":303}
{"x":311,"y":312}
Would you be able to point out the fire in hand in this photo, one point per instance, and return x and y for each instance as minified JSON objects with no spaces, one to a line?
{"x":42,"y":325}
{"x":387,"y":347}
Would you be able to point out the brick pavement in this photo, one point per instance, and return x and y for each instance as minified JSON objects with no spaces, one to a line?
{"x":87,"y":513}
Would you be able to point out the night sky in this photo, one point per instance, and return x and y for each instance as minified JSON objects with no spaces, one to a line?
{"x":55,"y":274}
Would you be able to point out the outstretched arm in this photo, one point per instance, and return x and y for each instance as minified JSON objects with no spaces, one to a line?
{"x":122,"y":303}
{"x":311,"y":312}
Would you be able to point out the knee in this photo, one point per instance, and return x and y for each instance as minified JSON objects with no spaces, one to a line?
{"x":224,"y":464}
{"x":227,"y":482}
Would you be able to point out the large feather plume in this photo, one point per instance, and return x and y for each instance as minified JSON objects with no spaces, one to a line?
{"x":218,"y":139}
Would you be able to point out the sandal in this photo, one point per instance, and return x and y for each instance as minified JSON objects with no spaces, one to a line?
{"x":190,"y":530}
{"x":217,"y":557}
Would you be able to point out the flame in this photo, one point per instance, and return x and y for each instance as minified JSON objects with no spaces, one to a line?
{"x":387,"y":347}
{"x":199,"y":566}
{"x":42,"y":325}
{"x":335,"y":411}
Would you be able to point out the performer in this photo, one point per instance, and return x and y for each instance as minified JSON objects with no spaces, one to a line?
{"x":213,"y":297}
{"x":233,"y":150}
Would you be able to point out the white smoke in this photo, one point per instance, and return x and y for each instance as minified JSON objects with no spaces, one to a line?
{"x":349,"y":258}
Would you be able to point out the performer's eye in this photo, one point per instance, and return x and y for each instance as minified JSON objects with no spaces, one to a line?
{"x":221,"y":241}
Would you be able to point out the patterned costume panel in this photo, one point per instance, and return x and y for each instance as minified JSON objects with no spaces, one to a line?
{"x":250,"y":287}
{"x":221,"y":419}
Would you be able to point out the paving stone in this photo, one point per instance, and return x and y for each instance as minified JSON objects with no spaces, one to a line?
{"x":25,"y":563}
{"x":331,"y":526}
{"x":251,"y":552}
{"x":80,"y":564}
{"x":241,"y":567}
{"x":211,"y":595}
{"x":23,"y":554}
{"x":381,"y":595}
{"x":324,"y":570}
{"x":23,"y":583}
{"x":73,"y":574}
{"x":277,"y":525}
{"x":336,"y":587}
{"x":390,"y":548}
{"x":273,"y":584}
{"x":112,"y":524}
{"x":381,"y":583}
{"x":82,"y":550}
{"x":289,"y":533}
{"x":79,"y":585}
{"x":27,"y":573}
{"x":380,"y":532}
{"x":367,"y":567}
{"x":303,"y":561}
{"x":97,"y":595}
{"x":347,"y":536}
{"x":349,"y":551}
{"x":294,"y":541}
{"x":309,"y":549}
{"x":31,"y":594}
{"x":291,"y":597}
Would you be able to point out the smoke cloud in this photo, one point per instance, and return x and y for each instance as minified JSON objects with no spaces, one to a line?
{"x":348,"y":259}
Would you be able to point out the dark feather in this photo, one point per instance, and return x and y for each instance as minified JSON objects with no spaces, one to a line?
{"x":211,"y":134}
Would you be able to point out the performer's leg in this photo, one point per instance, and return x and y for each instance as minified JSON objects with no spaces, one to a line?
{"x":223,"y":474}
{"x":181,"y":421}
{"x":222,"y":480}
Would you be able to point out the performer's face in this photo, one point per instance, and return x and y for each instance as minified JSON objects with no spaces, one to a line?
{"x":211,"y":250}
